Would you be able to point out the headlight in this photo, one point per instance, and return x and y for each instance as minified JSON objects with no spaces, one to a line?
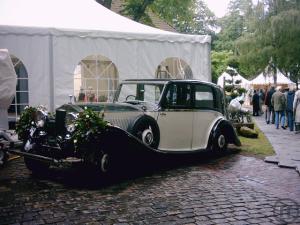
{"x":70,"y":122}
{"x":40,"y":123}
{"x":71,"y":128}
{"x":40,"y":117}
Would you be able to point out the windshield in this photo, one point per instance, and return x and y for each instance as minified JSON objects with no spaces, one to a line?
{"x":140,"y":92}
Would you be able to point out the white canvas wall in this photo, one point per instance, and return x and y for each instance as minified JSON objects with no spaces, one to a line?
{"x":50,"y":50}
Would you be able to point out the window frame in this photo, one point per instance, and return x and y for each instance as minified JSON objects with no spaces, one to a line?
{"x":16,"y":105}
{"x":111,"y":80}
{"x":213,"y":91}
{"x":163,"y":102}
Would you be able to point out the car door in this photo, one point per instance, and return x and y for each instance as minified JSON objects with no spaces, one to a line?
{"x":175,"y":118}
{"x":207,"y":110}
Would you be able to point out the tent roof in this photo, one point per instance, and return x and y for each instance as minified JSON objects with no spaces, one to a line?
{"x":228,"y":77}
{"x":262,"y":80}
{"x":64,"y":16}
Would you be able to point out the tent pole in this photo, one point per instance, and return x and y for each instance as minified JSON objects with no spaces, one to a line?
{"x":51,"y":73}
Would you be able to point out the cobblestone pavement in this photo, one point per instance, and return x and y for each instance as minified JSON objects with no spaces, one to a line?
{"x":285,"y":143}
{"x":201,"y":189}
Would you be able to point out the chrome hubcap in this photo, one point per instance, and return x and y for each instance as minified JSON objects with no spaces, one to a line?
{"x":221,"y":141}
{"x":104,"y":163}
{"x":147,"y":137}
{"x":1,"y":155}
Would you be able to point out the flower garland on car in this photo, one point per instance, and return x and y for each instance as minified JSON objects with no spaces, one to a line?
{"x":25,"y":122}
{"x":88,"y":123}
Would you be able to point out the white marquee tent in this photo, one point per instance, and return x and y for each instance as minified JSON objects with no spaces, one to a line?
{"x":51,"y":37}
{"x":269,"y":79}
{"x":244,"y":82}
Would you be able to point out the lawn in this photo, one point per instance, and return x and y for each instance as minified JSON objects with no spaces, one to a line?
{"x":259,"y":147}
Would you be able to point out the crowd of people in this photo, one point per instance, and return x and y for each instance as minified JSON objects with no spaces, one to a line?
{"x":282,"y":107}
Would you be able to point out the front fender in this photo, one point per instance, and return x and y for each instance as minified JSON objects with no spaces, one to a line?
{"x":230,"y":132}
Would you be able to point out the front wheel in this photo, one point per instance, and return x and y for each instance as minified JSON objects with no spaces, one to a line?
{"x":147,"y":130}
{"x":103,"y":162}
{"x":3,"y":157}
{"x":34,"y":165}
{"x":220,"y":141}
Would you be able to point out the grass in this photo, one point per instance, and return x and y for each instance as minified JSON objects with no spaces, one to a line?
{"x":259,"y":147}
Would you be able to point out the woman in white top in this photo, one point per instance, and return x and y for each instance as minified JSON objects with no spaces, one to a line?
{"x":296,"y":108}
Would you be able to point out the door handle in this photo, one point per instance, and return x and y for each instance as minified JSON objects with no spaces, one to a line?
{"x":162,"y":114}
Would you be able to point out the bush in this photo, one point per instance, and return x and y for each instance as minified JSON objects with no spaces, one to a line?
{"x":247,"y":132}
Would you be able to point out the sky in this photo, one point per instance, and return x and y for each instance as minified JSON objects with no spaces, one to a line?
{"x":218,"y":7}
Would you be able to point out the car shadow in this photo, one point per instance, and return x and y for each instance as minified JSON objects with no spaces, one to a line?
{"x":129,"y":170}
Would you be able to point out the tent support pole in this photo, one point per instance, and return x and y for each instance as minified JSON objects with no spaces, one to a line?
{"x":51,"y":73}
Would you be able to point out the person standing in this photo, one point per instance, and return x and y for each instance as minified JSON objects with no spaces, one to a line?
{"x":261,"y":100}
{"x":296,"y":109}
{"x":270,"y":116}
{"x":255,"y":103}
{"x":279,"y":103}
{"x":289,"y":108}
{"x":285,"y":92}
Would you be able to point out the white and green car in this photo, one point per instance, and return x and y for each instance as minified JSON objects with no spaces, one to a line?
{"x":160,"y":116}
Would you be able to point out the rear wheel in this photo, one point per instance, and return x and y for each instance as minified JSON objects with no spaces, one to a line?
{"x":220,"y":141}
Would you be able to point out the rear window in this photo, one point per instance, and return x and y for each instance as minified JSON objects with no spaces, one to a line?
{"x":204,"y":97}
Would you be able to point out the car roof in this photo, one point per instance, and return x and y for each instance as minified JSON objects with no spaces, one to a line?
{"x":164,"y":81}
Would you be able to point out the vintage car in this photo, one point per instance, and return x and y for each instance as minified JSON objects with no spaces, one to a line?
{"x":157,"y":116}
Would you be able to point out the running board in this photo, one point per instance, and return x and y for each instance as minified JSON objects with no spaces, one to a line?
{"x":69,"y":160}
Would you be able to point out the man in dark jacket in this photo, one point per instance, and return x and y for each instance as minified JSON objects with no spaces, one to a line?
{"x":269,"y":108}
{"x":279,"y":103}
{"x":289,"y":108}
{"x":255,"y":102}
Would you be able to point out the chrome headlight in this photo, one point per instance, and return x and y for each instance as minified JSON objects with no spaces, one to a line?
{"x":70,"y":121}
{"x":40,"y":117}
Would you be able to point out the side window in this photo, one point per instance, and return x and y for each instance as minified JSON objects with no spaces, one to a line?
{"x":204,"y":97}
{"x":178,"y":96}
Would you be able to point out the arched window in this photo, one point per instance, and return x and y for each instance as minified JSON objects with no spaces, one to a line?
{"x":21,"y":98}
{"x":173,"y":68}
{"x":95,"y":79}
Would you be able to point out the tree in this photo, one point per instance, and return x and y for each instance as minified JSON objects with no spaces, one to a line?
{"x":189,"y":16}
{"x":233,"y":24}
{"x":137,"y":9}
{"x":219,"y":63}
{"x":286,"y":30}
{"x":202,"y":21}
{"x":273,"y":41}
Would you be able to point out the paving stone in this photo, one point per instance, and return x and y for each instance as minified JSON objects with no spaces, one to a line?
{"x":286,"y":144}
{"x":232,"y":189}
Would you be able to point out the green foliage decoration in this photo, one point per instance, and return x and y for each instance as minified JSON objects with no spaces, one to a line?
{"x":25,"y":122}
{"x":229,"y":88}
{"x":89,"y":123}
{"x":238,"y":82}
{"x":241,"y":90}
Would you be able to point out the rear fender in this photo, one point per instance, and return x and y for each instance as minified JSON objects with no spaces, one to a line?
{"x":229,"y":131}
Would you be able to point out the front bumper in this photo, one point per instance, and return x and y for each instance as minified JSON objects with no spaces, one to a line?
{"x":51,"y":161}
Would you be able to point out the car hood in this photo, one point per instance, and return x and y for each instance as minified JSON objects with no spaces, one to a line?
{"x":111,"y":107}
{"x":118,"y":114}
